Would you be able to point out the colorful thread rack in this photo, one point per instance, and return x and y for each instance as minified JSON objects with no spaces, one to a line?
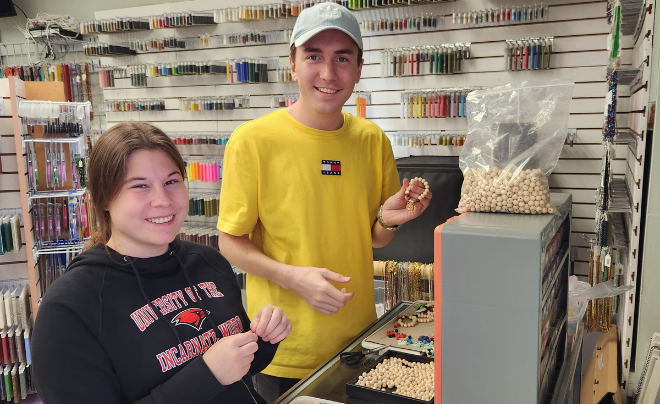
{"x":71,"y":118}
{"x":204,"y":169}
{"x":362,"y":99}
{"x":366,"y":4}
{"x":112,"y":25}
{"x":75,"y":76}
{"x":528,"y":54}
{"x":226,"y":103}
{"x":201,"y":234}
{"x":107,"y":76}
{"x":255,"y":37}
{"x":285,"y":9}
{"x":186,"y":68}
{"x":395,"y":24}
{"x":204,"y":204}
{"x":501,"y":16}
{"x":285,"y":100}
{"x":138,"y":75}
{"x":15,"y":335}
{"x":284,"y":75}
{"x":420,"y":139}
{"x":440,"y":103}
{"x":442,"y":59}
{"x":181,"y":19}
{"x":107,"y":49}
{"x":132,"y":105}
{"x":200,"y":138}
{"x":167,"y":44}
{"x":252,"y":70}
{"x":10,"y":230}
{"x":55,"y":167}
{"x":53,"y":261}
{"x":60,"y":220}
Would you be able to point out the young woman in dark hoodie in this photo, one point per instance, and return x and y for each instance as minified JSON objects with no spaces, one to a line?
{"x":140,"y":316}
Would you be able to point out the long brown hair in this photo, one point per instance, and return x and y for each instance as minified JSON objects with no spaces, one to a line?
{"x":107,"y":167}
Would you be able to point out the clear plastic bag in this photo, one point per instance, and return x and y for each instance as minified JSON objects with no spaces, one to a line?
{"x":515,"y":135}
{"x":599,"y":291}
{"x":576,"y":307}
{"x":579,"y":293}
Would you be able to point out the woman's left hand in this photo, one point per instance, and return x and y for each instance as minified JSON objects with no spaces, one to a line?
{"x":271,"y":324}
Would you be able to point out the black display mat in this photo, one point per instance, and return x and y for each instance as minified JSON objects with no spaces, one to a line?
{"x":414,"y":240}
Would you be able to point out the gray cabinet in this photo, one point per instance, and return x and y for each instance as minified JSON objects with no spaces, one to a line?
{"x":504,"y":282}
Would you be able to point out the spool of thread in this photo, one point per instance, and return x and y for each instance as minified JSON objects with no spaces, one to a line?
{"x":16,"y":232}
{"x":204,"y":170}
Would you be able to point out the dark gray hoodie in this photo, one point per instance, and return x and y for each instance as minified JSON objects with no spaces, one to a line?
{"x":116,"y":329}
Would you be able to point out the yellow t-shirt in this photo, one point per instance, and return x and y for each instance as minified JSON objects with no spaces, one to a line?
{"x":309,"y":197}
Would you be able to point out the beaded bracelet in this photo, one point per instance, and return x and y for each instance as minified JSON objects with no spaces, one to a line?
{"x":411,"y":201}
{"x":411,"y":321}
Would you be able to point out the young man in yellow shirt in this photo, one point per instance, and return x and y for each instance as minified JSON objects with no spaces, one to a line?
{"x":307,"y":192}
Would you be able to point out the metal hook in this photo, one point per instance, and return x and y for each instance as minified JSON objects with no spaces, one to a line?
{"x":591,"y":241}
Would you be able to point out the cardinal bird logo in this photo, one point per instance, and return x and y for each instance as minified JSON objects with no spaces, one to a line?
{"x":191,"y":317}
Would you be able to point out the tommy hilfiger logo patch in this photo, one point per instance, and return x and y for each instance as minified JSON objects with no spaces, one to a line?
{"x":330,"y":167}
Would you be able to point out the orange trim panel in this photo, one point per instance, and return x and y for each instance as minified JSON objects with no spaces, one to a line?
{"x":437,"y":275}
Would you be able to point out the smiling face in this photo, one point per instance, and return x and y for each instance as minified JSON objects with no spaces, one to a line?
{"x":326,"y":69}
{"x":151,"y":206}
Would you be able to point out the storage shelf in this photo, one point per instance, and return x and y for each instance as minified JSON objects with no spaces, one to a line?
{"x":619,"y":197}
{"x":620,"y":231}
{"x":56,"y":194}
{"x":566,"y":375}
{"x":625,"y":76}
{"x":62,"y":248}
{"x":548,"y":286}
{"x":625,"y":138}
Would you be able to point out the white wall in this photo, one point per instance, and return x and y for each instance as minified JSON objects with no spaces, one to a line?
{"x":580,"y":54}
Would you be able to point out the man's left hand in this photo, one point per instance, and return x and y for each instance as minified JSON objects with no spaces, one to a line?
{"x":394,"y":209}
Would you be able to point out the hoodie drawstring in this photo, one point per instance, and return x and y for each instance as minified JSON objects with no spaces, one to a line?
{"x":201,"y":303}
{"x":146,"y":299}
{"x":193,"y":289}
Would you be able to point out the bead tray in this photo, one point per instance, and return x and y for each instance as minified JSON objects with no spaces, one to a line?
{"x":379,"y":337}
{"x":379,"y":396}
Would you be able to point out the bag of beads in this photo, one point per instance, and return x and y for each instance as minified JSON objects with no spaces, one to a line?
{"x":515,"y":136}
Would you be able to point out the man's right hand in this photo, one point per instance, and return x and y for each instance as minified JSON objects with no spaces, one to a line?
{"x":311,"y":284}
{"x":230,"y":358}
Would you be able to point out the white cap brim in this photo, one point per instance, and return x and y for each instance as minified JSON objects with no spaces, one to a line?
{"x":309,"y":34}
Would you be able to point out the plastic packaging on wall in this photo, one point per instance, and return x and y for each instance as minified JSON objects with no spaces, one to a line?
{"x":515,"y":135}
{"x":599,"y":291}
{"x":579,"y":293}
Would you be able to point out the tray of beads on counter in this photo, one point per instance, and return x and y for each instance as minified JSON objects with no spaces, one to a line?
{"x":411,"y":332}
{"x":396,"y":378}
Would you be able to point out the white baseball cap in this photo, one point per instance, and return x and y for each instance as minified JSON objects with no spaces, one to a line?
{"x":324,"y":16}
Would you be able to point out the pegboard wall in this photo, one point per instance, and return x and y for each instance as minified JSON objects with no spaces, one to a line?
{"x":579,"y":29}
{"x":13,"y":264}
{"x":636,"y":157}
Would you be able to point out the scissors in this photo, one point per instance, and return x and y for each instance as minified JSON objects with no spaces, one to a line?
{"x":353,"y":358}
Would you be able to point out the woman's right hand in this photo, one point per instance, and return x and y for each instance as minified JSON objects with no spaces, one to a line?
{"x":230,"y":358}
